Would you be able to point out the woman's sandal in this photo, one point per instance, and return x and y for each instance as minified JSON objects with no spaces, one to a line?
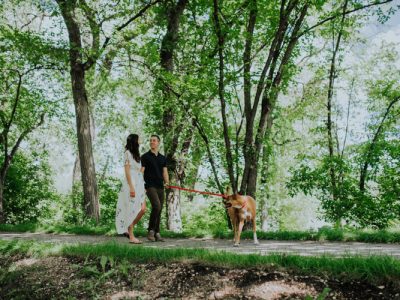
{"x":135,"y":242}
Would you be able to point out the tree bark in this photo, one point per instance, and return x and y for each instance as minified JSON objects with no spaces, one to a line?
{"x":221,"y":94}
{"x":2,"y":214}
{"x":171,"y":131}
{"x":247,"y":92}
{"x":329,"y":123}
{"x":174,"y":220}
{"x":77,"y":173}
{"x":78,"y":84}
{"x":265,"y":168}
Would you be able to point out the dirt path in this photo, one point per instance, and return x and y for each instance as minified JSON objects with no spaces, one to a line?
{"x":305,"y":248}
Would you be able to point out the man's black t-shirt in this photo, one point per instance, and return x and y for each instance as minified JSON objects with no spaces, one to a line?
{"x":153,"y":169}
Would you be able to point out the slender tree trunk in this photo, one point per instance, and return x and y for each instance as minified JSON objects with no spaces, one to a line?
{"x":221,"y":94}
{"x":248,"y":140}
{"x":265,"y":168}
{"x":3,"y":174}
{"x":212,"y":163}
{"x":77,"y":72}
{"x":329,"y":123}
{"x":2,"y":214}
{"x":76,"y":173}
{"x":193,"y":175}
{"x":276,"y":63}
{"x":170,"y":129}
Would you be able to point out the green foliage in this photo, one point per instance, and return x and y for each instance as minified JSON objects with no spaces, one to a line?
{"x":208,"y":221}
{"x":317,"y":181}
{"x":127,"y":89}
{"x":29,"y":194}
{"x":109,"y":188}
{"x":351,"y":205}
{"x":360,"y":184}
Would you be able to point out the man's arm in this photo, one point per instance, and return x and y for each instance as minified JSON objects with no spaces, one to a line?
{"x":143,"y":162}
{"x":165,"y":176}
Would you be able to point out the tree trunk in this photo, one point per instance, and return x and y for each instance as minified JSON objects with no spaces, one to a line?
{"x":265,"y":168}
{"x":2,"y":214}
{"x":221,"y":94}
{"x":170,"y":129}
{"x":275,"y":65}
{"x":174,"y":211}
{"x":76,"y":173}
{"x":91,"y":202}
{"x":77,"y":72}
{"x":264,"y":130}
{"x":174,"y":220}
{"x":248,"y":140}
{"x":329,"y":123}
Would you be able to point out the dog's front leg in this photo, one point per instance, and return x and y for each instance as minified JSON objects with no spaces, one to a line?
{"x":240,"y":228}
{"x":235,"y":229}
{"x":255,"y":232}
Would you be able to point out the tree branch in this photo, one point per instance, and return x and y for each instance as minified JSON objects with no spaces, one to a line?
{"x":364,"y":169}
{"x":139,"y":14}
{"x":338,"y":14}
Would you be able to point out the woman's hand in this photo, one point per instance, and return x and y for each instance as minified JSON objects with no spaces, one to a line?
{"x":132,"y":192}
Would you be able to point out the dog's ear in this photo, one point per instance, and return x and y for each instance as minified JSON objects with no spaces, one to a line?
{"x":228,"y":190}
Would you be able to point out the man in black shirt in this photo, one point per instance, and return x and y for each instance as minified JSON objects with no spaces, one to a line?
{"x":156,"y":177}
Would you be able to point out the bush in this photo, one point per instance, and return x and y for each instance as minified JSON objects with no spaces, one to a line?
{"x":28,"y":192}
{"x":109,"y":188}
{"x":211,"y":221}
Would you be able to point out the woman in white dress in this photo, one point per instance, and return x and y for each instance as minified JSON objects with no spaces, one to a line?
{"x":131,"y":204}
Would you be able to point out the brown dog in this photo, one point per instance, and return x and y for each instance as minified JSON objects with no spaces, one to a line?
{"x":241,"y":208}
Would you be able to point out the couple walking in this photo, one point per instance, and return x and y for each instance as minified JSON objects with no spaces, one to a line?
{"x":146,"y":174}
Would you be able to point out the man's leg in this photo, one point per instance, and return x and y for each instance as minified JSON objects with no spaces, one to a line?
{"x":161,"y":196}
{"x":155,"y":211}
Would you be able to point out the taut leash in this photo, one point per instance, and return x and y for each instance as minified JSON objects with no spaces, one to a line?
{"x":195,"y":191}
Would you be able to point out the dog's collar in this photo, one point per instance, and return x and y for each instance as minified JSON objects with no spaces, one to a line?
{"x":244,"y":204}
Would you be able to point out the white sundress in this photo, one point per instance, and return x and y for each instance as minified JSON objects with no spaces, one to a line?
{"x":129,"y":207}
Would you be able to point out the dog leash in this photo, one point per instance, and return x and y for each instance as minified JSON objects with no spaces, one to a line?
{"x":195,"y":191}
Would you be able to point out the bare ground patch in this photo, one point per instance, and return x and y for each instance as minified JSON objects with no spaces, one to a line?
{"x":71,"y":277}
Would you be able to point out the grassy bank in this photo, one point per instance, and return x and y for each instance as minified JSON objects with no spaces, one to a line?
{"x":375,"y":269}
{"x":324,"y":234}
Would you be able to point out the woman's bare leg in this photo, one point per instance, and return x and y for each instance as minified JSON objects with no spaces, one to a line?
{"x":140,"y":215}
{"x":132,"y":238}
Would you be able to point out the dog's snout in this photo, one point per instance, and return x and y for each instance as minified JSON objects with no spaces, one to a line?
{"x":227,"y":203}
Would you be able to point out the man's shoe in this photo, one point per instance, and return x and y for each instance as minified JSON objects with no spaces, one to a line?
{"x":150,"y":236}
{"x":159,"y":238}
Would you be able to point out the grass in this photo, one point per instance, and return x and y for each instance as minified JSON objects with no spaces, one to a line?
{"x":323,"y":234}
{"x":374,"y":269}
{"x":80,"y":229}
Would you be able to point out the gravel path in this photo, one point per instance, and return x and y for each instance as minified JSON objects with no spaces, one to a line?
{"x":305,"y":248}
